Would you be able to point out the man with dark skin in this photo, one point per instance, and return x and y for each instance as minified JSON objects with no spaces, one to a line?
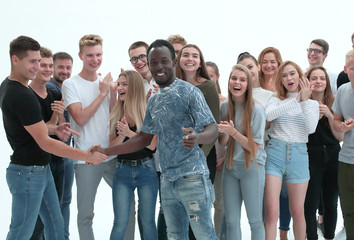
{"x":181,"y":119}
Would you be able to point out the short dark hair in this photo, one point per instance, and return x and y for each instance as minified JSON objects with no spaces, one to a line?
{"x":162,"y":43}
{"x":62,"y":55}
{"x":45,"y":52}
{"x":20,"y":45}
{"x":323,"y":44}
{"x":136,"y":45}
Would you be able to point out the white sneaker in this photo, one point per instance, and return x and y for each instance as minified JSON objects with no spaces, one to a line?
{"x":341,"y":235}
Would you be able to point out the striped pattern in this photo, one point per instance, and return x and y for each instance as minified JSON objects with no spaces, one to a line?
{"x":292,"y":121}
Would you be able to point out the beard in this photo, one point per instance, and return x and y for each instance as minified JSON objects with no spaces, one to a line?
{"x":58,"y":79}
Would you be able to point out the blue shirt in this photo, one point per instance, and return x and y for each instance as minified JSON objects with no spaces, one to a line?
{"x":171,"y":108}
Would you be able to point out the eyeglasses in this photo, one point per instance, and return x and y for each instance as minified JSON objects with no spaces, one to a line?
{"x":316,"y":51}
{"x":134,"y":60}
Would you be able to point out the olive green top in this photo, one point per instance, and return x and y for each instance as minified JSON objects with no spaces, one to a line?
{"x":208,"y":88}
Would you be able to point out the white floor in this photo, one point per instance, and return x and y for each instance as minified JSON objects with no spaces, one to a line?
{"x":103,"y":208}
{"x":104,"y":218}
{"x":103,"y":213}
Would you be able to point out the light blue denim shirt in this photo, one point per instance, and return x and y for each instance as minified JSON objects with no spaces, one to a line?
{"x":171,"y":108}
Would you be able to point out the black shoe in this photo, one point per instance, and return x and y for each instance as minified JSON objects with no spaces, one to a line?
{"x":321,"y":227}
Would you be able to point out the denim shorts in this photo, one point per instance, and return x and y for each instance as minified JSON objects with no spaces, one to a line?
{"x":288,"y":160}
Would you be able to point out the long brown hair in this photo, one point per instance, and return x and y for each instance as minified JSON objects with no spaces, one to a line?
{"x":246,"y":119}
{"x":328,"y":97}
{"x":279,"y":87}
{"x":201,"y":72}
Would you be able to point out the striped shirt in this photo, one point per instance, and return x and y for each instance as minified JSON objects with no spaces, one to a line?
{"x":292,"y":121}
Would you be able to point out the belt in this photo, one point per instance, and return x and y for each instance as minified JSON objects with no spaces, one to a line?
{"x":133,"y":163}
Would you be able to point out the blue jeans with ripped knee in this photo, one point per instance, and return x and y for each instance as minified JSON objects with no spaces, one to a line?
{"x":187,"y":200}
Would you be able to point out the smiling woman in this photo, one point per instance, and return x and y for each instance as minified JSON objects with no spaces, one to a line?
{"x":293,"y":116}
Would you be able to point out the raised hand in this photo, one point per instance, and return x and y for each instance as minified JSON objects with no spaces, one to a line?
{"x":191,"y":139}
{"x":156,"y":88}
{"x":226,"y":127}
{"x":58,"y":107}
{"x":324,"y":110}
{"x":63,"y":132}
{"x":305,"y":89}
{"x":105,"y":84}
{"x":123,"y":128}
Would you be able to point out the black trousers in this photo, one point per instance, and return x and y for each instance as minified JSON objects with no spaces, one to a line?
{"x":323,"y":184}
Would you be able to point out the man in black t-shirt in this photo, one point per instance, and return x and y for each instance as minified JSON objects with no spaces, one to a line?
{"x":343,"y":77}
{"x":28,"y":176}
{"x":53,"y":113}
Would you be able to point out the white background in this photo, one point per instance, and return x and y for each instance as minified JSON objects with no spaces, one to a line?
{"x":222,"y":29}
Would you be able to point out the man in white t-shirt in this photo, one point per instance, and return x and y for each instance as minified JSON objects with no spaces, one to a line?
{"x":86,"y":97}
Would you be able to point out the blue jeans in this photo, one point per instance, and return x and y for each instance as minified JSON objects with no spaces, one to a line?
{"x":67,"y":193}
{"x":188,"y":200}
{"x":57,"y":169}
{"x":161,"y":223}
{"x":242,"y":185}
{"x":126,"y":180}
{"x":33,"y":191}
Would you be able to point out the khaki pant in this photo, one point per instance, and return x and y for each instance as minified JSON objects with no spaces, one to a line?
{"x":346,"y":193}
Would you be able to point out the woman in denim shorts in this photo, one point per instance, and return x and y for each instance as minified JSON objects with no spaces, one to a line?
{"x":134,"y":170}
{"x":293,"y":116}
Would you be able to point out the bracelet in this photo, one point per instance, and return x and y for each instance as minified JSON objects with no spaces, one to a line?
{"x":234,"y":133}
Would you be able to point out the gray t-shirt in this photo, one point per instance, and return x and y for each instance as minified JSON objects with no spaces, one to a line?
{"x":171,"y":108}
{"x":342,"y":106}
{"x":258,"y":121}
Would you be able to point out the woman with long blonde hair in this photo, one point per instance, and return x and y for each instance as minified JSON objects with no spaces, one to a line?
{"x":134,"y":170}
{"x":242,"y":130}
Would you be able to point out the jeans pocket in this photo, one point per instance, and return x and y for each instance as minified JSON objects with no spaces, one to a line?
{"x":118,"y":165}
{"x":302,"y":148}
{"x":272,"y":143}
{"x":149,"y":165}
{"x":193,"y":178}
{"x":13,"y":180}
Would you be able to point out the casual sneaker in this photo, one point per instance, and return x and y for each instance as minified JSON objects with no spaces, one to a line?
{"x":341,"y":235}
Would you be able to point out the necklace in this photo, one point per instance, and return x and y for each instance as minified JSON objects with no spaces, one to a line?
{"x":12,"y":78}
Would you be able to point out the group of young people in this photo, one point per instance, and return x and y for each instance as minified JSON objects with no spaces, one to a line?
{"x":166,"y":130}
